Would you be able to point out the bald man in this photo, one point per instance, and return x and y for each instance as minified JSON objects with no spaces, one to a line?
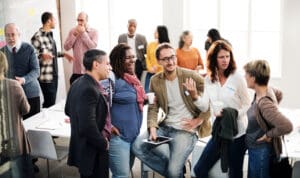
{"x":23,"y":66}
{"x":81,"y":38}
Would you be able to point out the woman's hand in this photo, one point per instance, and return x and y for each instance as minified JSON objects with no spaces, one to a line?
{"x":264,"y":138}
{"x":115,"y":131}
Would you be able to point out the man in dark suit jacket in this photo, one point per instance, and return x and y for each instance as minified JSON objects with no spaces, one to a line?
{"x":90,"y":123}
{"x":138,"y":43}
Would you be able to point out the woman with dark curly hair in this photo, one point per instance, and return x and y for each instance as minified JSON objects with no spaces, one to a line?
{"x":126,"y":111}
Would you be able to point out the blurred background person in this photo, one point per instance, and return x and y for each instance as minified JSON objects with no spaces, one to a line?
{"x":47,"y":52}
{"x":14,"y":146}
{"x":212,"y":36}
{"x":80,"y":39}
{"x":188,"y":56}
{"x":126,"y":111}
{"x":23,"y":66}
{"x":265,"y":122}
{"x":138,"y":44}
{"x":160,"y":36}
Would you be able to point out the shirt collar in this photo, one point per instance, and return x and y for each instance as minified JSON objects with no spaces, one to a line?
{"x":17,"y":46}
{"x":132,"y":37}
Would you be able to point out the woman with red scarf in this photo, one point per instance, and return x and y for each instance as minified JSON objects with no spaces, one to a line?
{"x":126,"y":111}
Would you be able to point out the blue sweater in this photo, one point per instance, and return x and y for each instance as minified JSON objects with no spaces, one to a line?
{"x":125,"y":113}
{"x":24,"y":64}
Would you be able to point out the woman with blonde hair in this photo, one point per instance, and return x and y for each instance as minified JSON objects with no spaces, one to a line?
{"x":265,"y":122}
{"x":14,"y":145}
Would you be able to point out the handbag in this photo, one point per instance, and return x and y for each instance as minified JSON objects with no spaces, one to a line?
{"x":281,"y":167}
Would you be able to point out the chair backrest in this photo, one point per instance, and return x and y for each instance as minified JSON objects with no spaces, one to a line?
{"x":41,"y":144}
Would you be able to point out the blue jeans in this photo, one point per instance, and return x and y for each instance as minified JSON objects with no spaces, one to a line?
{"x":147,"y":81}
{"x":167,"y":159}
{"x":120,"y":157}
{"x":259,"y":162}
{"x":211,"y":154}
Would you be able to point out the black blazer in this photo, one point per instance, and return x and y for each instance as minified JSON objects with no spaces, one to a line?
{"x":87,"y":110}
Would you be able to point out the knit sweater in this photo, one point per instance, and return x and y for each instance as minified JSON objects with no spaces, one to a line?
{"x":24,"y":63}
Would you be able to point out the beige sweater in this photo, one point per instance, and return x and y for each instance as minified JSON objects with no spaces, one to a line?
{"x":158,"y":86}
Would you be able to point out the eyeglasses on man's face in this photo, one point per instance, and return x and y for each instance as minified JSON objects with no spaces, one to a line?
{"x":168,"y":59}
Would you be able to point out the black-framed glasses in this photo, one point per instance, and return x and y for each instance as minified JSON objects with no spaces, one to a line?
{"x":168,"y":59}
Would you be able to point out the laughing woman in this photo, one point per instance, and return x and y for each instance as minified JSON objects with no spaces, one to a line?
{"x":126,"y":111}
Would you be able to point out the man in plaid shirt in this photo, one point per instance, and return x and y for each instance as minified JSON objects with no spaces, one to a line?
{"x":45,"y":46}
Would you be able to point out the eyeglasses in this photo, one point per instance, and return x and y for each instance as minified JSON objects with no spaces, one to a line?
{"x":168,"y":59}
{"x":80,"y":20}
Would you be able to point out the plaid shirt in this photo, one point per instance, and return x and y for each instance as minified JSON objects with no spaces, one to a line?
{"x":44,"y":43}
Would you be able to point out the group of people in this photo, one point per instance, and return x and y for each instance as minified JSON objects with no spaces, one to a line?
{"x":106,"y":100}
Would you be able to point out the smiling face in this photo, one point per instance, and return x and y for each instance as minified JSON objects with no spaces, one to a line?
{"x":130,"y":61}
{"x":103,"y":67}
{"x":167,"y":59}
{"x":223,"y":59}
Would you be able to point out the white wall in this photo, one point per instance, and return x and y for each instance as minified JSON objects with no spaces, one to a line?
{"x":289,"y":83}
{"x":173,"y":17}
{"x":68,"y":20}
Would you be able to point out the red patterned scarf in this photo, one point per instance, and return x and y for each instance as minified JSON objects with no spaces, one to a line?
{"x":134,"y":81}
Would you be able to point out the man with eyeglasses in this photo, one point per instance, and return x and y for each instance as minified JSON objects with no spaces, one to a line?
{"x":138,"y":43}
{"x":185,"y":116}
{"x":80,"y":39}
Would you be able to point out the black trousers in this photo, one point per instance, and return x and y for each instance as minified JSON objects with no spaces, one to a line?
{"x":35,"y":107}
{"x":49,"y":92}
{"x":74,"y":77}
{"x":101,"y":167}
{"x":139,"y":69}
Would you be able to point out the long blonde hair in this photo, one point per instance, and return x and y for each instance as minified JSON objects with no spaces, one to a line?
{"x":3,"y":65}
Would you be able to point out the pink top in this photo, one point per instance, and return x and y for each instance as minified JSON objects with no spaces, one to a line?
{"x":80,"y":44}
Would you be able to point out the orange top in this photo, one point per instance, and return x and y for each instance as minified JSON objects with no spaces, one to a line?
{"x":189,"y":59}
